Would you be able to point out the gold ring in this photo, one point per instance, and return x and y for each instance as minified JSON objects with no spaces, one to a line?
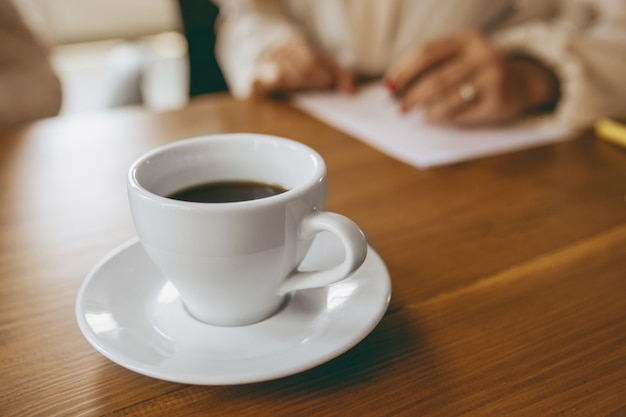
{"x":467,"y":92}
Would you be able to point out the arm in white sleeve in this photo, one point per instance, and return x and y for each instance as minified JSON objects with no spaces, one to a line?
{"x":246,"y":31}
{"x":586,"y":49}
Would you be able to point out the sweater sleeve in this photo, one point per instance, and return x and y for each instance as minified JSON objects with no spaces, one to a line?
{"x":586,"y":48}
{"x":246,"y":31}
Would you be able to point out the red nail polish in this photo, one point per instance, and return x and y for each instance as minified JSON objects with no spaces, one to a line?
{"x":391,"y":85}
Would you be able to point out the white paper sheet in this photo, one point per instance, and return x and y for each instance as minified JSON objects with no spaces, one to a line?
{"x":372,"y":117}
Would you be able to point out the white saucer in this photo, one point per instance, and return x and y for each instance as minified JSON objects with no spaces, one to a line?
{"x":133,"y":315}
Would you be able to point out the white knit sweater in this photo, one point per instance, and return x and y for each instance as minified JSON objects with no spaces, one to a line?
{"x":583,"y":41}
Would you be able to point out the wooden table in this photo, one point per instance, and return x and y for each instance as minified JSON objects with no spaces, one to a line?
{"x":509,"y":275}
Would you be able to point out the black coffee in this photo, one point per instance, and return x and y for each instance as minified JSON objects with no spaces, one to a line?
{"x":227,"y":192}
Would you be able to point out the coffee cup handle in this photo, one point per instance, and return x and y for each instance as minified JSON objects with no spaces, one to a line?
{"x":353,"y":241}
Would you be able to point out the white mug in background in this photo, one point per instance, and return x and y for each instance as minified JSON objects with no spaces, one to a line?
{"x":233,"y":262}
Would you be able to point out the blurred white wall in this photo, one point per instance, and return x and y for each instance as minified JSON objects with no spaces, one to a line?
{"x":112,"y":52}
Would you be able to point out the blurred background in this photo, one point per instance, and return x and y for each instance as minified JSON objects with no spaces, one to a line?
{"x":111,"y":53}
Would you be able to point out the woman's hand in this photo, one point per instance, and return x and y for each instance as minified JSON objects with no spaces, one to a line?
{"x":298,"y":66}
{"x":464,"y":80}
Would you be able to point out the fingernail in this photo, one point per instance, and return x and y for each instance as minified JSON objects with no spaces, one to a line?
{"x":391,"y":85}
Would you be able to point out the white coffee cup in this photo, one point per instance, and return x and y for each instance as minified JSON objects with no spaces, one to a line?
{"x":233,"y":263}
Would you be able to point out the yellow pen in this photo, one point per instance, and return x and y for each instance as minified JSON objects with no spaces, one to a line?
{"x":612,"y":129}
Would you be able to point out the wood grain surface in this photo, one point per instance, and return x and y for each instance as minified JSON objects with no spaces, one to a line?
{"x":508,"y":274}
